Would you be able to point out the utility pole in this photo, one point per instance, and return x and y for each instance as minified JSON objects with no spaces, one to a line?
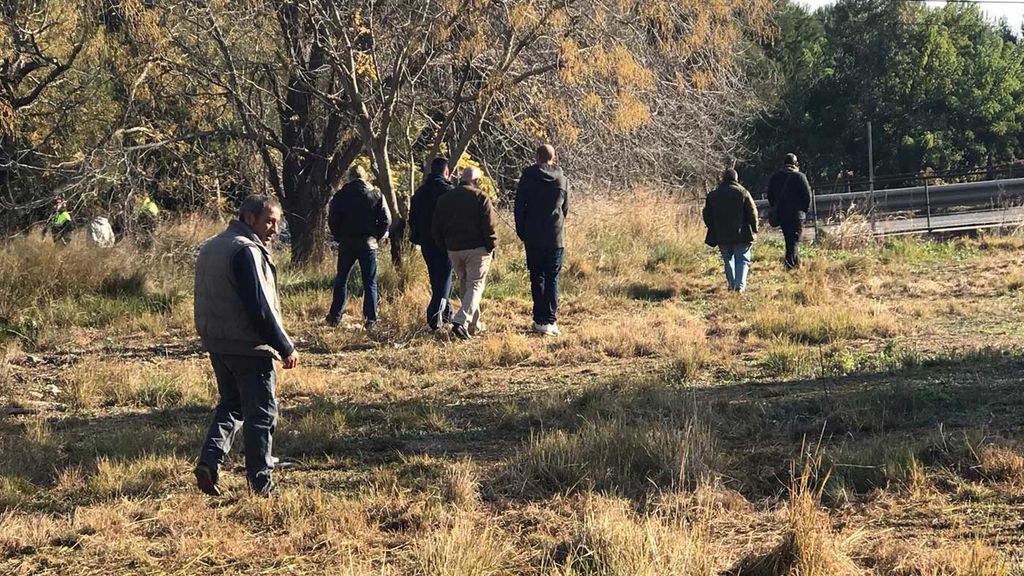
{"x":871,"y":178}
{"x":871,"y":161}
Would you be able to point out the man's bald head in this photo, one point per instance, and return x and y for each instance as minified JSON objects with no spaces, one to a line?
{"x":545,"y":154}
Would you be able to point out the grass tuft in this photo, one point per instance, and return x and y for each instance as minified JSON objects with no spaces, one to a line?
{"x":613,"y":540}
{"x":463,"y":548}
{"x":613,"y":457}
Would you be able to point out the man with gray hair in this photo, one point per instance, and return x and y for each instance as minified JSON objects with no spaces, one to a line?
{"x":464,"y":225}
{"x":238,"y":317}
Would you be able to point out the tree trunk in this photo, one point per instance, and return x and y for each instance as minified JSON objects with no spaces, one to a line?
{"x":399,"y":210}
{"x":305,"y":208}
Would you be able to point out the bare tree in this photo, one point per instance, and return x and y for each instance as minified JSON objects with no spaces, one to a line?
{"x":41,"y":42}
{"x":380,"y":51}
{"x":266,"y":62}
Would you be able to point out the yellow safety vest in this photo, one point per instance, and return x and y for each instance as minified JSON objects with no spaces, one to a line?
{"x":149,"y":206}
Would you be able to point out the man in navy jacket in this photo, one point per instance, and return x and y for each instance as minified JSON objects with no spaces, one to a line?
{"x":542,"y":203}
{"x":439,"y":267}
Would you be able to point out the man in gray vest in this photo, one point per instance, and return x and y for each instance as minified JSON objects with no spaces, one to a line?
{"x":238,"y":317}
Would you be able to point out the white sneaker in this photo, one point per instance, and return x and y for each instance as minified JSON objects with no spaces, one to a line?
{"x":537,"y":328}
{"x":546,"y":329}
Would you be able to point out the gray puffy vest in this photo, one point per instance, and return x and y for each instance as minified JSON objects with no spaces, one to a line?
{"x":221,"y":320}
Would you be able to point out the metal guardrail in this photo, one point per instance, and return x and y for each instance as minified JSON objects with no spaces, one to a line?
{"x":946,"y":206}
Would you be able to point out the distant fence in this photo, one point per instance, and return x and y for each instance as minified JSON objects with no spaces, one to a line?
{"x":927,"y":206}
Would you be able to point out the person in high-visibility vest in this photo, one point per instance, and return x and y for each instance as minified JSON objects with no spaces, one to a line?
{"x":150,"y":207}
{"x":149,"y":215}
{"x":61,"y":224}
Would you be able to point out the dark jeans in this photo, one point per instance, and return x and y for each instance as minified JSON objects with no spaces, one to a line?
{"x":347,"y":258}
{"x":544,"y":265}
{"x":439,"y":269}
{"x":247,"y":401}
{"x":791,"y":232}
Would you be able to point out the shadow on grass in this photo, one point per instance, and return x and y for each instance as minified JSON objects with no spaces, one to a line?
{"x":648,"y":292}
{"x":637,"y":430}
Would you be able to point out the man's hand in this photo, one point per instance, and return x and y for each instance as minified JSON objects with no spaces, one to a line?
{"x":291,"y":361}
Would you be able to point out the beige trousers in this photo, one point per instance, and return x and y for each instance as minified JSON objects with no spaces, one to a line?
{"x":471,"y":266}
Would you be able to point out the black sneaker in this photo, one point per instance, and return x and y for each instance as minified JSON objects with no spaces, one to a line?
{"x":267,"y":491}
{"x":206,"y":479}
{"x":460,"y":332}
{"x":333,"y":322}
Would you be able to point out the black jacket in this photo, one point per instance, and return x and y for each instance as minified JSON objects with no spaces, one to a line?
{"x":790,"y":195}
{"x":542,"y":203}
{"x":421,"y":209}
{"x":358,"y":216}
{"x":464,"y":219}
{"x":730,"y":215}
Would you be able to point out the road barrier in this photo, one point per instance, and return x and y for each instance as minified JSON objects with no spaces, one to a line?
{"x":925,"y":208}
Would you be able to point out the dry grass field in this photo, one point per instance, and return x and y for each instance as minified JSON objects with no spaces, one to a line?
{"x":863,"y":415}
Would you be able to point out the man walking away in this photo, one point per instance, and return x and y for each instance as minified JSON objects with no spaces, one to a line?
{"x":542,"y":203}
{"x":358,"y":218}
{"x":789,"y":195}
{"x":238,"y":317}
{"x":731,"y":218}
{"x":464,"y":225}
{"x":439,"y":267}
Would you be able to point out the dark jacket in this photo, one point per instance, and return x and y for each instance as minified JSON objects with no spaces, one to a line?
{"x":464,"y":219}
{"x":789,"y":194}
{"x":236,"y":305}
{"x":421,"y":209}
{"x":358,"y":216}
{"x":542,"y":203}
{"x":730,"y":215}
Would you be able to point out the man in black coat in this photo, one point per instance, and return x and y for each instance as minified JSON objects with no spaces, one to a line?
{"x":542,"y":203}
{"x":358,"y":218}
{"x":789,"y":195}
{"x":439,"y":267}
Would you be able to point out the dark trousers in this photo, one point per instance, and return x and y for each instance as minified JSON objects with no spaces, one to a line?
{"x":791,"y":232}
{"x":347,"y":258}
{"x":439,"y":270}
{"x":544,"y":264}
{"x":247,"y":401}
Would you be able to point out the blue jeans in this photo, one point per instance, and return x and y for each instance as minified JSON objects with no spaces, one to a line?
{"x":347,"y":258}
{"x":247,"y":401}
{"x":439,"y":270}
{"x":545,"y":266}
{"x":737,"y":262}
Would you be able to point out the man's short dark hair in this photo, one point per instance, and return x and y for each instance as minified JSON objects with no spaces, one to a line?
{"x":730,"y":175}
{"x":256,"y":205}
{"x":545,"y":153}
{"x":790,"y":159}
{"x":437,"y":165}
